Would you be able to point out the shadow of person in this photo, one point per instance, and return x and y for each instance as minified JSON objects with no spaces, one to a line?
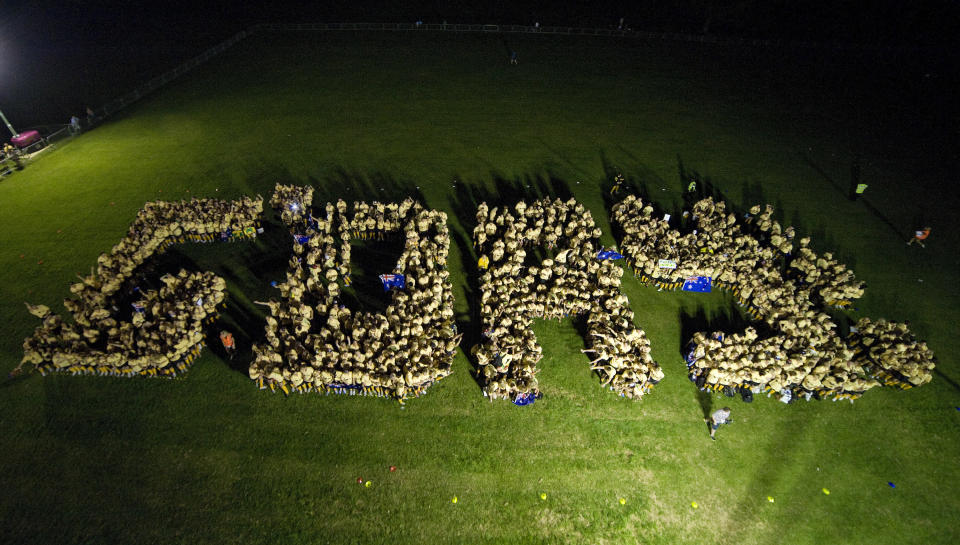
{"x":706,"y":405}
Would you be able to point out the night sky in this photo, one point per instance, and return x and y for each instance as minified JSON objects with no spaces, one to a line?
{"x":58,"y":57}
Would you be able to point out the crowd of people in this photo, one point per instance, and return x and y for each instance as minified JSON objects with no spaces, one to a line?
{"x":571,"y":280}
{"x":538,"y":260}
{"x":161,"y":332}
{"x":162,"y":337}
{"x":891,"y":353}
{"x":314,"y":342}
{"x":293,"y":202}
{"x":754,"y":253}
{"x":161,"y":224}
{"x":784,"y":286}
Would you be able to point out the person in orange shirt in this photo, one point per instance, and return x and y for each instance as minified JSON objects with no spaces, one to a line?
{"x":229,"y":344}
{"x":919,"y":236}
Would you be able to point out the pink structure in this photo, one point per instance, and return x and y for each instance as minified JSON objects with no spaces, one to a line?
{"x":25,"y":138}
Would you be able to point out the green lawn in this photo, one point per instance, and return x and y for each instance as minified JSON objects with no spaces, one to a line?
{"x":210,"y":459}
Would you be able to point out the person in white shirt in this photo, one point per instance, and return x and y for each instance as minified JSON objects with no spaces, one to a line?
{"x":717,"y":418}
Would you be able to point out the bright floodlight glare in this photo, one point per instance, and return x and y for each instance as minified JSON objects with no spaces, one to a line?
{"x":9,"y":126}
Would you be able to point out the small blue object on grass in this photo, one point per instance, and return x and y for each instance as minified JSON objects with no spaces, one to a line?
{"x":891,"y":484}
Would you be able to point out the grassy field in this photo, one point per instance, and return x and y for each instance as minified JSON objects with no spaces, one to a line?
{"x":210,"y":459}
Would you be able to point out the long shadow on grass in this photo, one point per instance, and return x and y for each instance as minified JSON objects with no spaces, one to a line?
{"x":353,"y":185}
{"x":614,"y":193}
{"x":953,"y":384}
{"x":752,"y":194}
{"x":779,"y":461}
{"x":897,"y":231}
{"x":638,"y":180}
{"x":706,"y":187}
{"x":729,"y":319}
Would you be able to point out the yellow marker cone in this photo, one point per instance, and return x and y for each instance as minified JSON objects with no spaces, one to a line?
{"x":825,"y":491}
{"x":454,"y":500}
{"x":694,"y":505}
{"x":770,"y":499}
{"x":543,"y":495}
{"x":623,"y":501}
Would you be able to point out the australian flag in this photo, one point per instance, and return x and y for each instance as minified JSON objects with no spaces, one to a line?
{"x":393,"y":281}
{"x":702,"y":284}
{"x":608,"y":254}
{"x":301,"y":239}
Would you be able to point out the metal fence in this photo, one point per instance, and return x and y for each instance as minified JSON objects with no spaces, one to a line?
{"x":576,"y":31}
{"x":122,"y":102}
{"x":442,"y":27}
{"x":59,"y":135}
{"x":145,"y":89}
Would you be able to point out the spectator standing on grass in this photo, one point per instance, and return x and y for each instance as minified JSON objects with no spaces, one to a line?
{"x":12,"y":154}
{"x":90,"y":115}
{"x":229,"y":344}
{"x":74,"y":125}
{"x":617,"y":183}
{"x":718,"y":418}
{"x":919,"y":236}
{"x":513,"y":57}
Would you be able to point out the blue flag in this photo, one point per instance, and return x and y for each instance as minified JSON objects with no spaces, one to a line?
{"x":524,"y":399}
{"x":608,"y":254}
{"x":701,"y":284}
{"x":301,"y":239}
{"x":393,"y":281}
